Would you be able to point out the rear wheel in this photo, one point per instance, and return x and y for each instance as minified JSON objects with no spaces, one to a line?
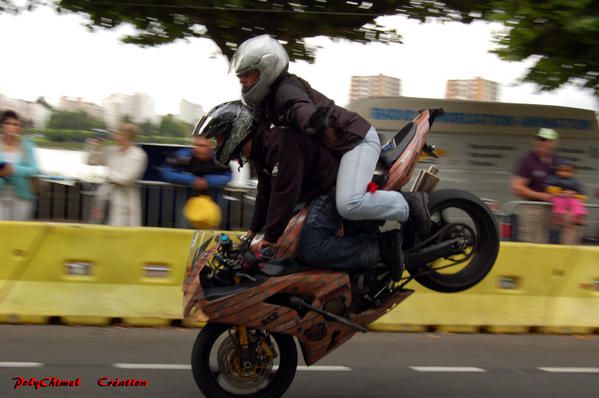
{"x":221,"y":370}
{"x":457,"y":214}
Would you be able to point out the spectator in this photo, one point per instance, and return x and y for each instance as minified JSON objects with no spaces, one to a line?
{"x":18,"y":166}
{"x":195,"y":167}
{"x":568,"y":210}
{"x":126,"y":164}
{"x":528,"y":183}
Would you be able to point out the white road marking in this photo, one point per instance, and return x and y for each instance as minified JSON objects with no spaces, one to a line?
{"x":570,"y":370}
{"x":323,"y":368}
{"x":446,"y":369}
{"x":21,"y":365}
{"x":165,"y":366}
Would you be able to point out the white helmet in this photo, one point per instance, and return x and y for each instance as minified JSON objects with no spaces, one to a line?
{"x":267,"y":56}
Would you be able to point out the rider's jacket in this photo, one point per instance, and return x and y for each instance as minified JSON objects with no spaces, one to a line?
{"x":292,"y":168}
{"x":291,"y":102}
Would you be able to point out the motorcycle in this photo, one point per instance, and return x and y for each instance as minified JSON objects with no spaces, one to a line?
{"x":255,"y":306}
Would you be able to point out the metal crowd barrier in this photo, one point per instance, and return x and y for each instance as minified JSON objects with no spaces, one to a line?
{"x":162,"y":204}
{"x":508,"y":220}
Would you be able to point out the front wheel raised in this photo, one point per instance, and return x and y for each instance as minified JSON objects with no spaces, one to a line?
{"x":457,"y":214}
{"x":222,"y":369}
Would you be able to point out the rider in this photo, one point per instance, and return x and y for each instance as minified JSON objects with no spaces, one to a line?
{"x":288,"y":178}
{"x":285,"y":100}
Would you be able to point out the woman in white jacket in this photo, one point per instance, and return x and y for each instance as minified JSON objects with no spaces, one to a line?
{"x":126,"y":164}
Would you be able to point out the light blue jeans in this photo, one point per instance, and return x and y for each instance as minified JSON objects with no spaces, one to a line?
{"x":355,"y":172}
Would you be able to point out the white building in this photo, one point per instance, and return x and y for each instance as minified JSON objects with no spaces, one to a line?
{"x":139,"y":108}
{"x":374,"y":86}
{"x":189,"y":112}
{"x":473,"y":89}
{"x":33,"y":112}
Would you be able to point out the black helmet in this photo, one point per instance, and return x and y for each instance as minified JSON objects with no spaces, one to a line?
{"x":231,"y":123}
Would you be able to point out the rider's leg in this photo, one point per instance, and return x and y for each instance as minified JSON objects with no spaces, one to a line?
{"x":319,"y":245}
{"x":355,"y":172}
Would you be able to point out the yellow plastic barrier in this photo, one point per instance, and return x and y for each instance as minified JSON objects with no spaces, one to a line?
{"x":515,"y":297}
{"x":95,"y":274}
{"x":574,"y":308}
{"x":91,"y":274}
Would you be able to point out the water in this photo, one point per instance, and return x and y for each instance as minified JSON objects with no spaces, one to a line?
{"x":68,"y":164}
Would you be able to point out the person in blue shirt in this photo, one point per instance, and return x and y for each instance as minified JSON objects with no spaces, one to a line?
{"x":195,"y":167}
{"x":18,"y":165}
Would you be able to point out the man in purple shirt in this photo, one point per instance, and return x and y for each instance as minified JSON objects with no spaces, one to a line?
{"x":528,"y":183}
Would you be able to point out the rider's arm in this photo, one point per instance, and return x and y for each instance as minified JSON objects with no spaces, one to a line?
{"x":294,"y":104}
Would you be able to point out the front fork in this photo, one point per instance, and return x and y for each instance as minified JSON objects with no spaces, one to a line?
{"x":244,"y":343}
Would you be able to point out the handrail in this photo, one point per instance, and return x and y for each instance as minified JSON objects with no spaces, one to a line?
{"x":508,"y":207}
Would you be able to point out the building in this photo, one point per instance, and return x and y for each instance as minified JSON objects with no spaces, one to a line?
{"x":34,"y":114}
{"x":374,"y":86}
{"x":138,"y":108}
{"x":474,"y":89}
{"x":189,"y":112}
{"x":68,"y":104}
{"x":479,"y":142}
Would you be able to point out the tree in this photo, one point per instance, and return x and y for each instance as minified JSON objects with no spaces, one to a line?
{"x":42,"y":101}
{"x":560,"y":36}
{"x":73,"y":121}
{"x":169,"y":126}
{"x":230,"y":23}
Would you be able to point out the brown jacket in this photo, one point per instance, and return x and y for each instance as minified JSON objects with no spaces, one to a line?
{"x":292,"y":101}
{"x":292,"y":168}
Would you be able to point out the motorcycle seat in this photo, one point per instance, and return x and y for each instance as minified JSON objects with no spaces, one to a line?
{"x":397,"y":144}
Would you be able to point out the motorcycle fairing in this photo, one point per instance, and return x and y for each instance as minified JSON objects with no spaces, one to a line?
{"x":264,"y":306}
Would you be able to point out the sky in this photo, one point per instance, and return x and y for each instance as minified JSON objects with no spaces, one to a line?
{"x":49,"y":55}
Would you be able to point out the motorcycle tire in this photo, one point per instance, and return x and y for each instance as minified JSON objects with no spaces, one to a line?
{"x":207,"y":381}
{"x":485,"y":249}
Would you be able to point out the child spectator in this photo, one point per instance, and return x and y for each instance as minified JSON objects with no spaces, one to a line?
{"x":568,"y":196}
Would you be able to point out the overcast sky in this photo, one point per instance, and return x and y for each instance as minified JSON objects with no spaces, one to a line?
{"x":49,"y":55}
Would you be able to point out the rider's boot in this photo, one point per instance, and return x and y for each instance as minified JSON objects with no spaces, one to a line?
{"x":420,"y":214}
{"x":390,"y":243}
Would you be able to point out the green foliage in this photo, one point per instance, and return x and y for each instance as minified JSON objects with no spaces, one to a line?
{"x":148,"y":128}
{"x":562,"y":36}
{"x":80,"y":136}
{"x":169,"y":126}
{"x":73,"y":121}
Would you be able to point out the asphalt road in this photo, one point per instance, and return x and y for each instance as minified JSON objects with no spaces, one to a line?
{"x":373,"y":365}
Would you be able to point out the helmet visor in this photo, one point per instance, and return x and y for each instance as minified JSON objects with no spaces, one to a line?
{"x":200,"y":127}
{"x":242,"y":63}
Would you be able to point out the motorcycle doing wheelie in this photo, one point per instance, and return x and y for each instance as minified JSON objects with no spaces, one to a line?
{"x":256,"y":307}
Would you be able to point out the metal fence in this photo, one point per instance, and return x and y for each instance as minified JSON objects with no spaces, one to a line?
{"x":507,"y":217}
{"x":162,"y":204}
